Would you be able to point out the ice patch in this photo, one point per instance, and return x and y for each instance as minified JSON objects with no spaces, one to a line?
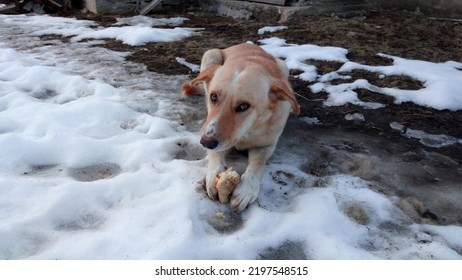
{"x":429,"y":140}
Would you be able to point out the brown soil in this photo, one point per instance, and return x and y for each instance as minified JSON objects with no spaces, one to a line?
{"x":401,"y":34}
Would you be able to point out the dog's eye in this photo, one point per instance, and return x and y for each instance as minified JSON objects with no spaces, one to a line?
{"x":214,"y":98}
{"x":242,"y":107}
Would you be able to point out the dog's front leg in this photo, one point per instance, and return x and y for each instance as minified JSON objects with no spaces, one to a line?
{"x":247,"y":190}
{"x":216,"y":165}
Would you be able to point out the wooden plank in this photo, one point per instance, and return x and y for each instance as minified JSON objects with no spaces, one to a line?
{"x":149,"y":7}
{"x":7,"y":8}
{"x":54,"y":3}
{"x":273,"y":2}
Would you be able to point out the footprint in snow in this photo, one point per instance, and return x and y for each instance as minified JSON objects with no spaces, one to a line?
{"x":94,"y":172}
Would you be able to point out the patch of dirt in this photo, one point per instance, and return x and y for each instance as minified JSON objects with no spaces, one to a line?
{"x":395,"y":33}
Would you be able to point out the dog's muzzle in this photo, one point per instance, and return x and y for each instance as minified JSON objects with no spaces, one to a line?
{"x":209,"y":142}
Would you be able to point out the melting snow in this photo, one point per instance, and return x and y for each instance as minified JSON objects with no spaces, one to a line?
{"x":93,"y":167}
{"x":430,"y":140}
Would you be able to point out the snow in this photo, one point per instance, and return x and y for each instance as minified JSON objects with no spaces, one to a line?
{"x":310,"y":121}
{"x":354,"y":117}
{"x":296,"y":55}
{"x":444,"y":79}
{"x":271,"y":29}
{"x":136,"y":35}
{"x":342,"y":94}
{"x":138,"y":32}
{"x":96,"y":163}
{"x":150,"y":22}
{"x":194,"y":67}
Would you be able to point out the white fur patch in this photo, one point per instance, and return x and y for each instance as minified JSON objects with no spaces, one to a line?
{"x":247,"y":124}
{"x":246,"y":192}
{"x":237,"y":75}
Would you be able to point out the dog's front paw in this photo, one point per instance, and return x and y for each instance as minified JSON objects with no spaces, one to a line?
{"x":210,"y":180}
{"x":246,"y":192}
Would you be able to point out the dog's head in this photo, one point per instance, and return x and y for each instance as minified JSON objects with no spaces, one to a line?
{"x":241,"y":100}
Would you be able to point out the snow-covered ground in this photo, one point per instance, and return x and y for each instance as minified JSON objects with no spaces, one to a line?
{"x":100,"y":161}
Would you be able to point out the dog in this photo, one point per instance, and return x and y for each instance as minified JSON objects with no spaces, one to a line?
{"x":249,"y":99}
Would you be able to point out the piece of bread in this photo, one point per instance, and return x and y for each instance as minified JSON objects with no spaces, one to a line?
{"x":225,"y":183}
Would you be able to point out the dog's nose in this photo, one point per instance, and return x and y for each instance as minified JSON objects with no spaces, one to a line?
{"x":209,"y":142}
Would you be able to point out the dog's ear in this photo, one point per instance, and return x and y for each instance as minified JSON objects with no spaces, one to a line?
{"x":192,"y":88}
{"x":280,"y":91}
{"x":206,"y":75}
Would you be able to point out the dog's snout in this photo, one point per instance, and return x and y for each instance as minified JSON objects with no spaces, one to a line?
{"x":209,"y":142}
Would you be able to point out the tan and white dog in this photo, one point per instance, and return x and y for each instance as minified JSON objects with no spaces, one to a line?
{"x":249,"y":99}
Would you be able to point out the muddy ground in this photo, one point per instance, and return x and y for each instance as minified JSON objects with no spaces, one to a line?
{"x":427,"y":180}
